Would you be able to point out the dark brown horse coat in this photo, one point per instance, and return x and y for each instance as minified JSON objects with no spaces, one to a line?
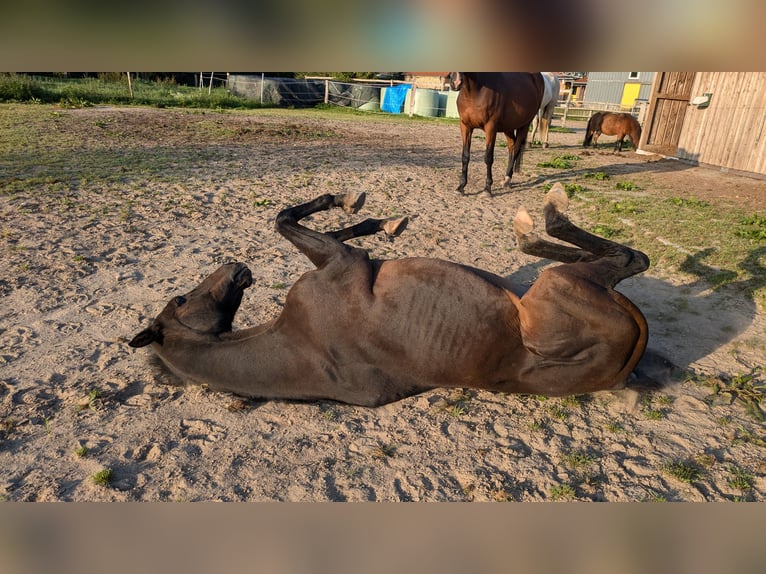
{"x":369,"y":332}
{"x":505,"y":102}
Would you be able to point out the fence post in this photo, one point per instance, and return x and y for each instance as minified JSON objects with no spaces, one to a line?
{"x":412,"y":97}
{"x":564,"y":118}
{"x":326,"y":91}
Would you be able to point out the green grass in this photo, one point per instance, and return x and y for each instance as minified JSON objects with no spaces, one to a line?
{"x":558,"y":162}
{"x":719,"y":244}
{"x":682,"y":470}
{"x":626,"y":186}
{"x":102,"y":477}
{"x":85,"y":92}
{"x":740,"y":479}
{"x":747,"y":388}
{"x":752,"y":228}
{"x":562,"y":492}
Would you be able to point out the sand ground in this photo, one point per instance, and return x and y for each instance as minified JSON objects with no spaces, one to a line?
{"x":130,"y":206}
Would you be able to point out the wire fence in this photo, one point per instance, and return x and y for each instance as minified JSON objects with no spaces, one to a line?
{"x":390,"y":96}
{"x":381,"y":96}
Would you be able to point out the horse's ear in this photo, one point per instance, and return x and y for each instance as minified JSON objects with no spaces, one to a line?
{"x":147,"y":336}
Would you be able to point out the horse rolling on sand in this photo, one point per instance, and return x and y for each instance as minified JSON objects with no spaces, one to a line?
{"x":504,"y":102}
{"x":368,"y":332}
{"x":545,"y":114}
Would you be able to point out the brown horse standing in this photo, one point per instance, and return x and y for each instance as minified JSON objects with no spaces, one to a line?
{"x":613,"y":124}
{"x":496,"y":102}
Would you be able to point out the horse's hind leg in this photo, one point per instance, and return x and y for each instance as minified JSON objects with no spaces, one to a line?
{"x":318,"y":247}
{"x":531,"y":243}
{"x":622,"y":260}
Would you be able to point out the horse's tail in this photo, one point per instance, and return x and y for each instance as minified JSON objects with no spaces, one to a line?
{"x":589,"y":130}
{"x":636,"y":134}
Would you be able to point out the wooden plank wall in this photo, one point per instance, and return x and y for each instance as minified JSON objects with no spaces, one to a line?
{"x":668,"y":104}
{"x":731,"y":132}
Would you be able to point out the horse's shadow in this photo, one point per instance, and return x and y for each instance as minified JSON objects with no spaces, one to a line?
{"x":688,"y":323}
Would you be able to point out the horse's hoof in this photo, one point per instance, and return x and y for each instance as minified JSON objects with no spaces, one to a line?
{"x":395,"y":226}
{"x":557,"y":198}
{"x":353,"y":202}
{"x":522,"y":223}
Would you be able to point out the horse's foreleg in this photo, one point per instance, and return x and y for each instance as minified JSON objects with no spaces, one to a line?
{"x":618,"y":145}
{"x":318,"y":247}
{"x":489,"y":156}
{"x":392,"y":227}
{"x":466,"y":133}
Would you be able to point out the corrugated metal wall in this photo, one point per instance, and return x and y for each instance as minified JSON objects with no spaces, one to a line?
{"x":731,"y":131}
{"x":608,"y":86}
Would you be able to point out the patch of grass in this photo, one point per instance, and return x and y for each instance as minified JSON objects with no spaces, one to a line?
{"x":261,"y":202}
{"x":557,"y":412}
{"x":82,"y":92}
{"x":578,"y":460}
{"x":537,"y":425}
{"x":682,"y":470}
{"x":752,"y":228}
{"x":573,"y":189}
{"x":689,"y":202}
{"x":597,"y":175}
{"x":605,"y":231}
{"x":81,"y":451}
{"x":626,"y":186}
{"x":743,"y":387}
{"x":102,"y":477}
{"x":557,"y":162}
{"x":626,"y":207}
{"x":573,"y":400}
{"x":740,"y":479}
{"x":92,"y":401}
{"x":456,"y":410}
{"x":694,"y":237}
{"x":615,"y":427}
{"x":654,"y":414}
{"x":562,"y":492}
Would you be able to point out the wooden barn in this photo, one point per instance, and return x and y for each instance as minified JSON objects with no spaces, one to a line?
{"x":709,"y":118}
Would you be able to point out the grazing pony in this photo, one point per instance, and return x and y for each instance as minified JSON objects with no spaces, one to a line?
{"x":369,"y":332}
{"x":548,"y":103}
{"x":496,"y":102}
{"x":612,"y":124}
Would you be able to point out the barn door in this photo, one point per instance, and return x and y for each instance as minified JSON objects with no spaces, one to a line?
{"x":667,"y":107}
